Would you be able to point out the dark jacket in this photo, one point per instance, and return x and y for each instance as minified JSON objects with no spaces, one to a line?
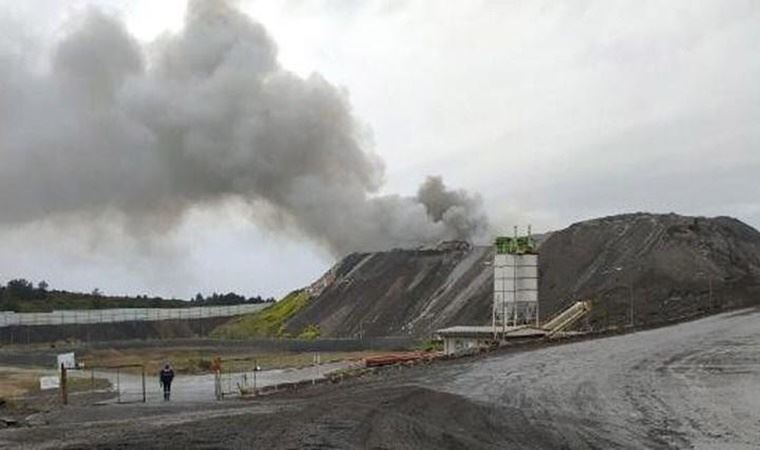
{"x":166,"y":376}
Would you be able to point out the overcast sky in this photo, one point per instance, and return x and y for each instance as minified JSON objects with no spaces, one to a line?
{"x":554,"y":112}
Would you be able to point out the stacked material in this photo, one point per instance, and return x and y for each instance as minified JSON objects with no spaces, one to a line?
{"x":398,"y":358}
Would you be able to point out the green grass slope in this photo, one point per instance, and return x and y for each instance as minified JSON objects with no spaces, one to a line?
{"x":269,"y":322}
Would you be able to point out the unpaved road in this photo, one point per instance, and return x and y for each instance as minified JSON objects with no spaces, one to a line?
{"x":693,"y":385}
{"x":199,"y":388}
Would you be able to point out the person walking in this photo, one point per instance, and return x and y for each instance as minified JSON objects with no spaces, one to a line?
{"x":165,"y":378}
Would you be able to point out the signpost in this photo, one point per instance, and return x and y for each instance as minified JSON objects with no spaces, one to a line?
{"x":67,"y":360}
{"x":49,"y":382}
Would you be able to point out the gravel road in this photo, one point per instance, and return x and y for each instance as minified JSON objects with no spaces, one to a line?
{"x":693,"y":385}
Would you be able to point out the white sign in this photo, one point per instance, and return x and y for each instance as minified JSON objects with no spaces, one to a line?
{"x":67,"y":360}
{"x":52,"y":382}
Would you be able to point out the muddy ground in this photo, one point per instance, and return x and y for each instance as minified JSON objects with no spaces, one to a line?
{"x":692,"y":385}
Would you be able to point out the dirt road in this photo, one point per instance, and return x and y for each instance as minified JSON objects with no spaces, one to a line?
{"x":693,"y":385}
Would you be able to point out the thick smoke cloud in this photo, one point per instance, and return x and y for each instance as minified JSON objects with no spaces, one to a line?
{"x":111,"y":128}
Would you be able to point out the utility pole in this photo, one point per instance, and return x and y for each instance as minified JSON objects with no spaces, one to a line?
{"x":630,"y":297}
{"x":629,"y":285}
{"x":710,"y":299}
{"x":514,"y":284}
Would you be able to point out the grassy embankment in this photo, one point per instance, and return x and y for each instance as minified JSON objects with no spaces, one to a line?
{"x":270,"y":321}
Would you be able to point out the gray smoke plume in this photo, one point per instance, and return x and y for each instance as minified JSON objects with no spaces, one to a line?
{"x":111,"y":128}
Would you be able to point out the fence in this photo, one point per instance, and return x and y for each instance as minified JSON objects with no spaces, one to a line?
{"x":127,"y":381}
{"x":94,"y":316}
{"x":234,"y":376}
{"x":128,"y":392}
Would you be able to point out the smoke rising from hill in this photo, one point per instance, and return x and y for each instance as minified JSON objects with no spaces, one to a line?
{"x":201,"y":116}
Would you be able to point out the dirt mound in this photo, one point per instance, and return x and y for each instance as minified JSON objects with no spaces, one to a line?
{"x":660,"y":267}
{"x":655,"y":268}
{"x":402,"y":292}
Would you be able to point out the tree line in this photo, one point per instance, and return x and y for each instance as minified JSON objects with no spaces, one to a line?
{"x":21,"y":295}
{"x":228,"y":299}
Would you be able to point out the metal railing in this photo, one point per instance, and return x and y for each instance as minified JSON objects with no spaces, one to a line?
{"x":81,"y":317}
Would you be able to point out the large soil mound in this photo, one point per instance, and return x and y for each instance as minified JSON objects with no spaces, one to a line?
{"x":402,"y":292}
{"x":642,"y":267}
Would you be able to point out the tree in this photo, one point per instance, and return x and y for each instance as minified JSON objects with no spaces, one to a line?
{"x":20,"y":289}
{"x":43,"y":286}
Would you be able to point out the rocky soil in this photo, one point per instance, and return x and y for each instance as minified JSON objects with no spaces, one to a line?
{"x":637,"y":268}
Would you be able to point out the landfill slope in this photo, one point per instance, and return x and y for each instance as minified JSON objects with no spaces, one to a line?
{"x":648,"y":268}
{"x":640,"y":268}
{"x":402,"y":292}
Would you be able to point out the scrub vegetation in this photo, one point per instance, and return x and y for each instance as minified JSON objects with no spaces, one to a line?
{"x":270,"y":321}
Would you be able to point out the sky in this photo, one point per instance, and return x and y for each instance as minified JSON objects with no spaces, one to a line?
{"x":553,"y":112}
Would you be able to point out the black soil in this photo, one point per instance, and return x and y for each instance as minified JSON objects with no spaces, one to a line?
{"x":643,"y":269}
{"x":380,"y":417}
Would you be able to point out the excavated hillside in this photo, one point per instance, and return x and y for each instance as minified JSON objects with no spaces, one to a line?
{"x":644,"y":268}
{"x":402,"y":292}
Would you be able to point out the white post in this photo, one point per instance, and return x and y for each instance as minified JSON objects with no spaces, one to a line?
{"x":538,"y":287}
{"x":118,"y":386}
{"x":493,"y":312}
{"x":316,"y":368}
